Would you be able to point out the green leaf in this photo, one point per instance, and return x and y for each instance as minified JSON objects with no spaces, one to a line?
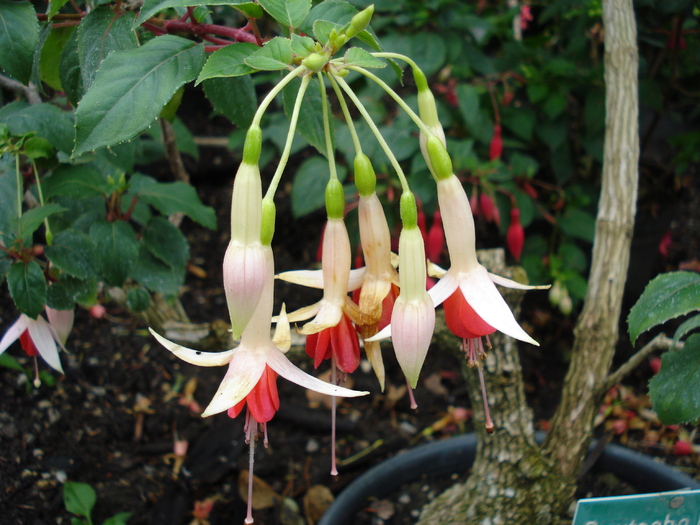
{"x":477,"y":121}
{"x":118,"y":519}
{"x":234,"y":98}
{"x":116,"y":249}
{"x":9,"y":362}
{"x":302,"y":46}
{"x":309,"y":186}
{"x":675,"y":391}
{"x":69,"y":70}
{"x":50,"y":59}
{"x":578,"y":224}
{"x":289,"y":13}
{"x":156,"y":275}
{"x":37,"y":148}
{"x":45,"y":120}
{"x":145,"y":78}
{"x":667,"y":296}
{"x":686,"y":326}
{"x":19,"y":36}
{"x":100,"y":33}
{"x":72,"y":252}
{"x":59,"y":297}
{"x":55,"y":6}
{"x":151,"y":7}
{"x":166,"y":243}
{"x":138,"y":299}
{"x":310,"y":122}
{"x":78,"y":181}
{"x":273,"y":56}
{"x":173,"y":197}
{"x":555,"y":104}
{"x":356,"y":56}
{"x":30,"y":220}
{"x":79,"y":498}
{"x":228,"y":62}
{"x":27,"y":287}
{"x":10,"y":198}
{"x":520,"y":121}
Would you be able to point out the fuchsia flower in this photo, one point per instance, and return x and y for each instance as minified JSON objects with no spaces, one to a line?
{"x":254,"y":364}
{"x":496,"y":146}
{"x":515,"y":237}
{"x":39,"y":337}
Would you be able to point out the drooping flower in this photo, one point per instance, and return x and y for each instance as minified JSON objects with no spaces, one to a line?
{"x":496,"y":145}
{"x":515,"y":237}
{"x":39,"y":337}
{"x":254,"y":364}
{"x":244,"y":259}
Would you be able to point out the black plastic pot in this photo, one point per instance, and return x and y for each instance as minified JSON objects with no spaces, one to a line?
{"x":457,"y":455}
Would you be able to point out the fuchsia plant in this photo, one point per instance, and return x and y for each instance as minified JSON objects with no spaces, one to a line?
{"x":474,"y":307}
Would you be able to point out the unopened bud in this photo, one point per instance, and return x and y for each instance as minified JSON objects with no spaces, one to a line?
{"x":439,"y":158}
{"x":335,"y":199}
{"x":253,"y":145}
{"x":315,"y":61}
{"x":409,"y":210}
{"x":360,"y":22}
{"x":365,"y":178}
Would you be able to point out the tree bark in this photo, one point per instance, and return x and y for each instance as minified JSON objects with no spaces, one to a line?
{"x":513,"y":481}
{"x":596,"y":331}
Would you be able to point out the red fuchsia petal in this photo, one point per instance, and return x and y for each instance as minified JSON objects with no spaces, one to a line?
{"x":496,"y":146}
{"x":515,"y":238}
{"x":27,"y":344}
{"x":665,"y":243}
{"x":264,"y":400}
{"x":235,"y":410}
{"x":318,"y":346}
{"x":346,"y":345}
{"x":462,"y":320}
{"x":436,"y":239}
{"x":388,"y":307}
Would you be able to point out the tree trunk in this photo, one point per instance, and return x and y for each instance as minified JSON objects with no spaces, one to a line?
{"x":513,"y":481}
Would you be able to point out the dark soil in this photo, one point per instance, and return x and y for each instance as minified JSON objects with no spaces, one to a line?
{"x":85,"y":427}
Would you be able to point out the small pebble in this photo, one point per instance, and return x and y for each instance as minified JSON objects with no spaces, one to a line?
{"x":405,"y":499}
{"x":312,"y":446}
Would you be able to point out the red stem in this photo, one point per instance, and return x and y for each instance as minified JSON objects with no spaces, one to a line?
{"x":175,"y":26}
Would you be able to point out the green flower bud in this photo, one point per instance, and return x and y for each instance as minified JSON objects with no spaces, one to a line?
{"x":252,"y":145}
{"x":335,"y":199}
{"x":409,"y":210}
{"x":439,"y":158}
{"x":315,"y":62}
{"x":359,"y":22}
{"x":267,"y":230}
{"x":365,"y":179}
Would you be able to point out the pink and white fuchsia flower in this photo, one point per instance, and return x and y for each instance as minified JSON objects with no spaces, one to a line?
{"x":39,"y":337}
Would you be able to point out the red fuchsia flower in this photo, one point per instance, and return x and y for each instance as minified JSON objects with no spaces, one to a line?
{"x":413,"y":317}
{"x":515,"y":237}
{"x":435,"y":243}
{"x":472,"y":303}
{"x":254,"y":364}
{"x":525,"y":16}
{"x":488,"y":209}
{"x":379,"y":289}
{"x":496,"y":146}
{"x":39,"y":337}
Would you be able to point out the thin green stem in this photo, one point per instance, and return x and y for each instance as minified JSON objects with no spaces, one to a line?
{"x":387,"y":150}
{"x":18,"y":176}
{"x":397,"y":56}
{"x":393,"y":94}
{"x":346,"y":114}
{"x":275,"y":91}
{"x":272,"y":188}
{"x":327,"y":128}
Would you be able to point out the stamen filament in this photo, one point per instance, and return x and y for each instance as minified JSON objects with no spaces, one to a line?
{"x":250,"y":437}
{"x":334,"y":380}
{"x":411,"y":397}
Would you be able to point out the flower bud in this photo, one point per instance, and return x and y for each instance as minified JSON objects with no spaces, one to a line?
{"x":252,"y":145}
{"x":335,"y":199}
{"x":439,"y":158}
{"x":496,"y":146}
{"x":315,"y":61}
{"x":359,"y":22}
{"x":365,"y":178}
